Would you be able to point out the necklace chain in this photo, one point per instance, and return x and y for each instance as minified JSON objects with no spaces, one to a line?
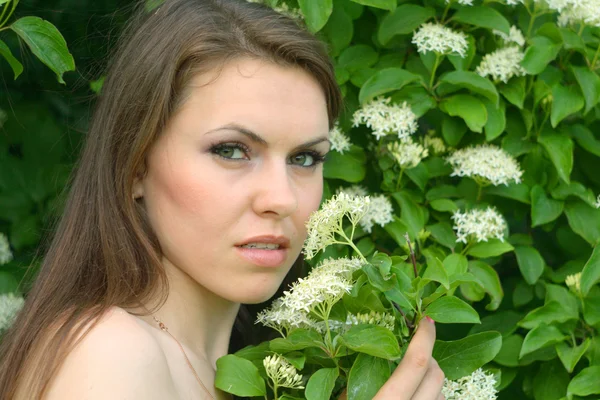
{"x":163,"y":327}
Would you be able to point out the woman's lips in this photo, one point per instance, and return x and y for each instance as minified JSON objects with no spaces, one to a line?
{"x":263,"y":257}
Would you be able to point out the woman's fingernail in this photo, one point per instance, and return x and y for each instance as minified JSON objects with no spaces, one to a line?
{"x":429,"y":319}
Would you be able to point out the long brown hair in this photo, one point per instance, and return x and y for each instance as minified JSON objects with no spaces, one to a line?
{"x":104,"y":252}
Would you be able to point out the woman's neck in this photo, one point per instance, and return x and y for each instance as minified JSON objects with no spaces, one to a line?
{"x":196,"y":317}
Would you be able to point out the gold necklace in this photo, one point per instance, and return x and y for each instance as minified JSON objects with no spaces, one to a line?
{"x":163,"y":327}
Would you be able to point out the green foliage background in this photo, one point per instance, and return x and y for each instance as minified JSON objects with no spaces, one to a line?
{"x":547,"y":119}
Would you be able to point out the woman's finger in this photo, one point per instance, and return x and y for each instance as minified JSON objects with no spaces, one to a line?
{"x":412,"y":369}
{"x":431,"y":385}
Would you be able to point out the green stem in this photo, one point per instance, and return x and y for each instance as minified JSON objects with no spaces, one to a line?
{"x":4,"y":11}
{"x":275,"y":391}
{"x":593,"y":65}
{"x":351,"y":244}
{"x":479,"y":192}
{"x":435,"y":66}
{"x":445,"y":12}
{"x":399,"y":178}
{"x":12,"y":10}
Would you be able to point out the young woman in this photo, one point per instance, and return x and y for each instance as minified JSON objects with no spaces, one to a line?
{"x":201,"y":167}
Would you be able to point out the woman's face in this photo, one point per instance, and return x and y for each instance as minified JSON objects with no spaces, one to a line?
{"x":239,"y":160}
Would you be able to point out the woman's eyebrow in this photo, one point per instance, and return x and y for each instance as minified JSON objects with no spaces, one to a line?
{"x":258,"y":139}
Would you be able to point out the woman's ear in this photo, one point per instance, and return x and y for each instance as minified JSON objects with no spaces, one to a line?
{"x":138,"y":187}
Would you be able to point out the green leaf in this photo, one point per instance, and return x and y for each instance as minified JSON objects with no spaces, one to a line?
{"x":469,"y":108}
{"x":376,"y":279}
{"x":435,"y":272}
{"x":585,"y":138}
{"x":496,"y":122}
{"x":591,"y":309}
{"x":589,"y":83}
{"x":551,"y":381}
{"x":443,"y":234}
{"x":504,"y":322}
{"x":459,"y":358}
{"x":455,"y":264}
{"x":547,"y":314}
{"x":570,"y":356}
{"x":321,"y":383}
{"x":483,"y":17}
{"x":298,"y":339}
{"x":514,"y":191}
{"x":539,"y":54}
{"x":453,"y":130}
{"x":238,"y":376}
{"x":412,"y":214}
{"x":316,"y":13}
{"x":349,"y":166}
{"x":559,"y":148}
{"x":367,"y":375}
{"x":586,"y":382}
{"x":452,"y":310}
{"x":509,"y":353}
{"x":491,"y":248}
{"x":543,"y":208}
{"x":5,"y":52}
{"x":530,"y":263}
{"x":490,"y":280}
{"x":473,"y":82}
{"x":357,"y":57}
{"x":514,"y":91}
{"x":584,"y":220}
{"x":403,"y":20}
{"x":539,"y":337}
{"x":566,"y":101}
{"x":374,"y":340}
{"x":47,"y":43}
{"x":563,"y":190}
{"x":385,"y":81}
{"x":591,"y":272}
{"x":443,"y":205}
{"x":254,"y":353}
{"x":384,"y":4}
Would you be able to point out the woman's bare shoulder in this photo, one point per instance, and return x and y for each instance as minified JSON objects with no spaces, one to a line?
{"x":117,"y":358}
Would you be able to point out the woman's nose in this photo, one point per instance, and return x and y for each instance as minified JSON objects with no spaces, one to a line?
{"x":275,"y":191}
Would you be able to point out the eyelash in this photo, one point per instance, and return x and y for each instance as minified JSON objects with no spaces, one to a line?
{"x":317,"y":157}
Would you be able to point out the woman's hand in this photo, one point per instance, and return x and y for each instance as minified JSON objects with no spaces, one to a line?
{"x":418,"y":376}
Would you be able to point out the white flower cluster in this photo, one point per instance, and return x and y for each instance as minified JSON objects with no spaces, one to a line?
{"x":380,"y":209}
{"x":576,"y":11}
{"x":486,"y":164}
{"x":6,"y":255}
{"x":440,"y":39}
{"x":407,"y":153}
{"x":339,"y":141}
{"x":386,"y":119}
{"x":434,"y":143}
{"x":283,"y":8}
{"x":353,"y":191}
{"x":282,"y":373}
{"x":514,"y":36}
{"x":479,"y":225}
{"x":324,"y":224}
{"x":502,"y":64}
{"x":324,"y":286}
{"x":10,"y":305}
{"x":574,"y":282}
{"x":462,"y":2}
{"x":380,"y":212}
{"x":477,"y":386}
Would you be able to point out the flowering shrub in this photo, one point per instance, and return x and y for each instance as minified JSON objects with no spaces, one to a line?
{"x":461,"y":186}
{"x":471,"y":125}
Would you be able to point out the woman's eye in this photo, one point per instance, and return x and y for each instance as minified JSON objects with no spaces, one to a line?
{"x":307,"y":159}
{"x":230,"y":151}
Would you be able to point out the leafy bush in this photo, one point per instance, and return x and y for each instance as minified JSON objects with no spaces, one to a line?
{"x":472,"y":126}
